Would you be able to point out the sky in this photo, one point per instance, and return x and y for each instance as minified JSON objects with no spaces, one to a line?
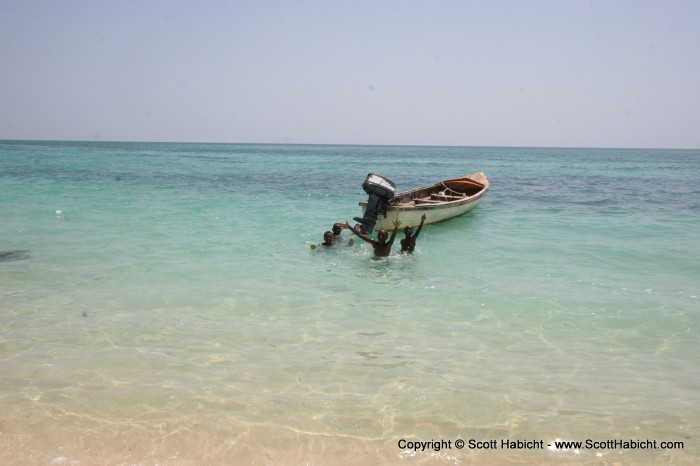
{"x":541,"y":73}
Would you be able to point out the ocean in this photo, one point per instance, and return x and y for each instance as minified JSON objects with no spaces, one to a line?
{"x":160,"y":305}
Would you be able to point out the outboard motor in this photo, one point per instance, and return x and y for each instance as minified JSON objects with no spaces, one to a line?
{"x":381,"y":191}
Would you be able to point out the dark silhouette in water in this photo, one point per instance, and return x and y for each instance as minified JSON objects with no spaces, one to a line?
{"x":408,"y":244}
{"x":382,"y":247}
{"x":15,"y":255}
{"x":337,"y":231}
{"x":327,"y":240}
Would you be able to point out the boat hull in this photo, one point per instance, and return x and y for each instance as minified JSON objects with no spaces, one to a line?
{"x":413,"y":204}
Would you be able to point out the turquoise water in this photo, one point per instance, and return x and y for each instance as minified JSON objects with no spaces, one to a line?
{"x":159,"y":304}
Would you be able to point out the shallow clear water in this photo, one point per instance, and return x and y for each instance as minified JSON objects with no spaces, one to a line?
{"x":160,"y":305}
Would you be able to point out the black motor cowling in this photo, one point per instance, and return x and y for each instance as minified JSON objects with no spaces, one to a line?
{"x":381,"y":191}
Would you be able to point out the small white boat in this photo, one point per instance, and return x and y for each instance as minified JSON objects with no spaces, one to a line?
{"x":439,"y":201}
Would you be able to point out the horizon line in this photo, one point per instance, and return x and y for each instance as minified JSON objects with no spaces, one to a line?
{"x":97,"y":140}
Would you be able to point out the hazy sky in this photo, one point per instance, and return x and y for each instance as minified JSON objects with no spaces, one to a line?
{"x":610,"y":73}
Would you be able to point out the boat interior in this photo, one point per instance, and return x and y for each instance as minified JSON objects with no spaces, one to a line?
{"x":440,"y":193}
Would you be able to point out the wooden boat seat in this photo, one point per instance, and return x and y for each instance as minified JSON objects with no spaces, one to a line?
{"x":427,"y":201}
{"x":448,"y":197}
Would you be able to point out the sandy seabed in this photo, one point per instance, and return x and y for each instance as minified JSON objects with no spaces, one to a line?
{"x":63,"y":438}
